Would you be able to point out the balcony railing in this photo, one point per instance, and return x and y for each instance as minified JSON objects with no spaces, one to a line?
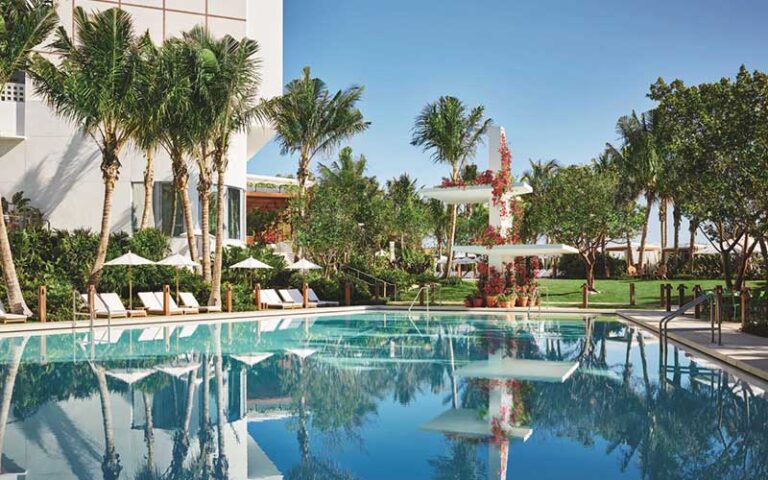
{"x":12,"y":92}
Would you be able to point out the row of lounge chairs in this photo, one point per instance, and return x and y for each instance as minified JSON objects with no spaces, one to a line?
{"x":109,"y":305}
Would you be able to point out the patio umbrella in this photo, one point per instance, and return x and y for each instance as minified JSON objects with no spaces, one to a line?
{"x":251,"y":263}
{"x":130,"y":260}
{"x":178,"y":261}
{"x":303,"y":265}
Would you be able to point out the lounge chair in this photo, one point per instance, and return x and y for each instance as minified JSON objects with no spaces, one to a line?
{"x":295,"y":296}
{"x":114,"y":304}
{"x":188,"y":300}
{"x":155,"y":306}
{"x":101,"y":310}
{"x":172,"y":304}
{"x":270,"y":299}
{"x":320,"y":303}
{"x":6,"y":317}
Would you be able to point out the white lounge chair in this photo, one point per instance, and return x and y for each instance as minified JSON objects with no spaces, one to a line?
{"x":320,"y":303}
{"x":6,"y":317}
{"x":114,"y":304}
{"x":172,"y":303}
{"x":270,"y":298}
{"x":101,"y":310}
{"x":189,"y":300}
{"x":155,"y":306}
{"x":292,"y":295}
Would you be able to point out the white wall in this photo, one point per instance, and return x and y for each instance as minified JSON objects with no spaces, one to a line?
{"x":58,"y":169}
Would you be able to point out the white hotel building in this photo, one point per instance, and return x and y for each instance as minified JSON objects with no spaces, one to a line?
{"x":58,"y":169}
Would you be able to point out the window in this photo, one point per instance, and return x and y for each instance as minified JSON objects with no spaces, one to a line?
{"x":167,"y":208}
{"x":234,"y":212}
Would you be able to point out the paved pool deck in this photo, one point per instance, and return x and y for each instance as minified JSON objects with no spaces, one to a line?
{"x":741,"y":350}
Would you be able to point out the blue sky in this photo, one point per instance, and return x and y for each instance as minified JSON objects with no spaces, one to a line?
{"x":555,"y":74}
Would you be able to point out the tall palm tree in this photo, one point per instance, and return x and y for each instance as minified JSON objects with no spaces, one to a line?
{"x":23,"y":25}
{"x":452,"y":133}
{"x":229,"y":95}
{"x":308,"y":120}
{"x":640,"y":164}
{"x":179,"y":121}
{"x":95,"y":87}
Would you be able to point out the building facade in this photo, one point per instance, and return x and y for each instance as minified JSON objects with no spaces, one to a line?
{"x":58,"y":168}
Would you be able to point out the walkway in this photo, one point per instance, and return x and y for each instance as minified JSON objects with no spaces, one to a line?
{"x":741,"y":350}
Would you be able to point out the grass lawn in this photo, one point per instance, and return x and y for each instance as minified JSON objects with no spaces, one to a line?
{"x":567,"y":293}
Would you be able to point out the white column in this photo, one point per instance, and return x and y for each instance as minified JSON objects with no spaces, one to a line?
{"x":494,"y":211}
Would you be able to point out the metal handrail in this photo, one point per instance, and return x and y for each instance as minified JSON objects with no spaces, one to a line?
{"x":373,"y":280}
{"x":664,"y":322}
{"x":425,"y":289}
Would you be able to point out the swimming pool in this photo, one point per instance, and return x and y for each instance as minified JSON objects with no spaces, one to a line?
{"x":374,"y":396}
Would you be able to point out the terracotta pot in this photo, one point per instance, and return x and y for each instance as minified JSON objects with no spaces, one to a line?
{"x":467,"y":303}
{"x":505,"y":304}
{"x":492,"y":301}
{"x":538,"y":301}
{"x":477,"y":302}
{"x":518,"y":301}
{"x":524,"y":302}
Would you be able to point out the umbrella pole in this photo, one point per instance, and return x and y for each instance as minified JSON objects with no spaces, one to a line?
{"x":130,"y":288}
{"x":177,"y":285}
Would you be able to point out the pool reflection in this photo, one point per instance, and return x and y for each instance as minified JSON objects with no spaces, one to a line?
{"x":373,"y":396}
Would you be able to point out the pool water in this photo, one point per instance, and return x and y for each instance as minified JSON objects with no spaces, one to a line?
{"x":374,"y":396}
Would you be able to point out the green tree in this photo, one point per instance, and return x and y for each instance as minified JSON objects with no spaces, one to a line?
{"x":23,"y":25}
{"x":408,"y":217}
{"x":579,"y":210}
{"x":95,"y":86}
{"x":452,"y":132}
{"x":719,"y":135}
{"x":539,"y":175}
{"x":309,"y":120}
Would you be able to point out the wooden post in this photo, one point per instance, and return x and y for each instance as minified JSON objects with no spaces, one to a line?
{"x":662,"y":288}
{"x":632,"y":300}
{"x":681,"y":295}
{"x":257,"y":296}
{"x":584,"y":296}
{"x":41,"y":298}
{"x":166,"y":300}
{"x":697,"y":294}
{"x":228,"y":298}
{"x":305,"y":295}
{"x":744,"y":302}
{"x":668,"y":298}
{"x":718,"y":313}
{"x":348,"y":294}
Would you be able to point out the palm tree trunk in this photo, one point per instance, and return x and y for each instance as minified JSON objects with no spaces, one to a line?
{"x":110,"y":180}
{"x":692,"y":244}
{"x":628,"y":256}
{"x":663,"y":228}
{"x":215,"y":298}
{"x":16,"y":302}
{"x":149,"y":179}
{"x":677,"y":219}
{"x":451,"y":240}
{"x":204,"y":194}
{"x":149,"y":429}
{"x":12,"y":370}
{"x":110,"y":465}
{"x":644,"y":235}
{"x":221,"y":464}
{"x":181,"y":182}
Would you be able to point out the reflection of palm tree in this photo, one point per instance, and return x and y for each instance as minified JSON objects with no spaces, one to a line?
{"x":181,"y":437}
{"x":460,"y":464}
{"x":221,"y":465}
{"x":206,"y":434}
{"x":110,"y":464}
{"x":12,"y":369}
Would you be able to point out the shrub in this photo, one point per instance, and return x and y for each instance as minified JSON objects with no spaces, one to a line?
{"x":572,"y":266}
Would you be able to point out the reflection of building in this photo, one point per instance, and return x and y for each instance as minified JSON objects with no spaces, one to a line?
{"x":58,"y":169}
{"x":499,"y":424}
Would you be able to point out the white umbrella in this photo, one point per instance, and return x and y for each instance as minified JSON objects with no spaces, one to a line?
{"x":303,"y":264}
{"x":130,"y":260}
{"x":251,"y":263}
{"x":178,"y":261}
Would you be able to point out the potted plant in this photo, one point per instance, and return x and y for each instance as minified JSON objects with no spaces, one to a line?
{"x":478,"y":301}
{"x":493,"y":288}
{"x":504,"y":301}
{"x":469,"y":300}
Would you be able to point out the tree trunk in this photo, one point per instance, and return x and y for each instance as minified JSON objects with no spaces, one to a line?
{"x":149,"y":179}
{"x":302,"y":175}
{"x":181,"y":182}
{"x":16,"y":303}
{"x":221,"y":463}
{"x":746,"y":254}
{"x":725,"y":263}
{"x":677,"y":219}
{"x":692,"y":226}
{"x":764,"y":252}
{"x":149,"y":429}
{"x":629,"y":256}
{"x":204,"y":194}
{"x":644,"y":235}
{"x":451,"y":240}
{"x":589,"y":267}
{"x":215,"y":298}
{"x":110,"y":180}
{"x":663,"y":228}
{"x":11,"y":371}
{"x":606,"y":265}
{"x":110,"y":465}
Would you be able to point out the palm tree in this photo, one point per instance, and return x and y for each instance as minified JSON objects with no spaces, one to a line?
{"x":179,"y":121}
{"x":229,"y":95}
{"x":11,"y":372}
{"x":95,"y":87}
{"x":309,"y":120}
{"x":23,"y":25}
{"x":110,"y":464}
{"x":452,"y":133}
{"x":640,"y":164}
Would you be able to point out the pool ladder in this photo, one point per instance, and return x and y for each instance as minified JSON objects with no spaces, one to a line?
{"x":715,"y":320}
{"x":425,"y":289}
